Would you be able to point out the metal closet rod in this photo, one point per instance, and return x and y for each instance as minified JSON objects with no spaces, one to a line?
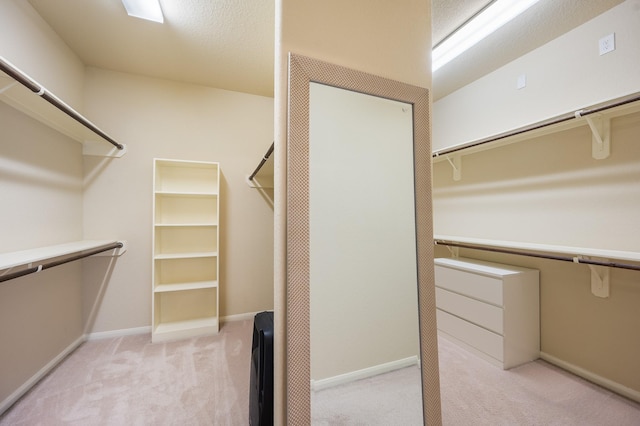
{"x":539,"y":255}
{"x":264,"y":160}
{"x":21,"y":78}
{"x":44,"y":266}
{"x":557,"y":120}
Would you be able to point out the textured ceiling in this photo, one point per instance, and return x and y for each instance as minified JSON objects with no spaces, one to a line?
{"x":229,"y":44}
{"x":448,"y":15}
{"x":543,"y":22}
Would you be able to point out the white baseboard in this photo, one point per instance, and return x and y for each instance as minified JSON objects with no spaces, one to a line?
{"x":11,"y":399}
{"x":147,"y":329}
{"x":341,"y":379}
{"x":592,"y":377}
{"x":118,"y":333}
{"x":239,"y":317}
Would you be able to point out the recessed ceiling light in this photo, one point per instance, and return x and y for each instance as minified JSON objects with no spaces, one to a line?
{"x":493,"y":17}
{"x":144,"y":9}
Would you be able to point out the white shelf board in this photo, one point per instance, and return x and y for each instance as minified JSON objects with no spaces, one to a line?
{"x":187,"y":194}
{"x":24,"y":257}
{"x":547,"y":248}
{"x":197,"y":164}
{"x":487,"y":268}
{"x":189,"y":255}
{"x":163,"y":288}
{"x":185,"y":225}
{"x":184,"y":329}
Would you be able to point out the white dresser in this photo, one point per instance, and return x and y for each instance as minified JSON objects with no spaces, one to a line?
{"x":493,"y":310}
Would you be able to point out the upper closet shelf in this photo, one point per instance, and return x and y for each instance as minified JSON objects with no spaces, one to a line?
{"x":599,"y":261}
{"x":576,"y":252}
{"x":597,"y":117}
{"x":35,"y":260}
{"x":23,"y":93}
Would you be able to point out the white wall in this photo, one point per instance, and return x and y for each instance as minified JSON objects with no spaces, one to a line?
{"x":163,"y":119}
{"x":548,"y":190}
{"x":562,"y":76}
{"x":41,"y":181}
{"x":31,"y":45}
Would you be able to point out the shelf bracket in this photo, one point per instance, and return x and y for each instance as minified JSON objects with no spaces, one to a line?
{"x":599,"y":281}
{"x":456,"y":164}
{"x":601,"y":140}
{"x":251,"y":182}
{"x":599,"y":278}
{"x":454,"y":251}
{"x":100,"y":149}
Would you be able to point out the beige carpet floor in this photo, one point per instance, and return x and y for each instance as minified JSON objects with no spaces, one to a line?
{"x":129,"y":381}
{"x":387,"y":399}
{"x":475,"y":392}
{"x":205,"y":381}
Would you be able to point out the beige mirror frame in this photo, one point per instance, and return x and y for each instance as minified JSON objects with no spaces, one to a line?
{"x":302,"y":71}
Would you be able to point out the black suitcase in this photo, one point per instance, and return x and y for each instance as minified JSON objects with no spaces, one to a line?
{"x":261,"y":379}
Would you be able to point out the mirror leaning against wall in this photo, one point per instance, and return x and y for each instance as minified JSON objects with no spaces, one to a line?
{"x":359,"y":243}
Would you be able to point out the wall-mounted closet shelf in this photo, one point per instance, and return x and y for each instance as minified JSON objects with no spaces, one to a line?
{"x":262,"y":176}
{"x":35,"y":260}
{"x":598,"y":260}
{"x":23,"y":93}
{"x":597,"y":117}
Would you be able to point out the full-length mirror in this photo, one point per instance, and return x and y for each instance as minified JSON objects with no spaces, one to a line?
{"x":360,"y":301}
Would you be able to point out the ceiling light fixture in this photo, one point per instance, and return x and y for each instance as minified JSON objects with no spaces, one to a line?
{"x":490,"y":19}
{"x":144,"y":9}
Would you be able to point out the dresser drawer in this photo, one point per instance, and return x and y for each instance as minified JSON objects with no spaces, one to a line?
{"x":483,"y":340}
{"x":475,"y":311}
{"x":477,"y":286}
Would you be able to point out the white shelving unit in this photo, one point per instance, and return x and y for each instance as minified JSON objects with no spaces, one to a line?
{"x":185,"y":249}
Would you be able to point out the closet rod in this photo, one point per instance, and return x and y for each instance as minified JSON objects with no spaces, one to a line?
{"x":557,"y":120}
{"x":44,"y":266}
{"x":539,"y":255}
{"x":23,"y":79}
{"x":264,"y":160}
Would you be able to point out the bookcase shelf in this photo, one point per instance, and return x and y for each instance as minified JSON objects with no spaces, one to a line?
{"x":185,"y":249}
{"x":194,"y":285}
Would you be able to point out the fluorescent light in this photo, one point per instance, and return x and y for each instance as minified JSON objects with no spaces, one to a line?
{"x":144,"y":9}
{"x":486,"y":22}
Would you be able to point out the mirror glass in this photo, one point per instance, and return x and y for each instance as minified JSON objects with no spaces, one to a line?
{"x":363,"y":275}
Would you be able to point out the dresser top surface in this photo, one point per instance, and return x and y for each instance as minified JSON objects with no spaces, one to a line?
{"x":480,"y":266}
